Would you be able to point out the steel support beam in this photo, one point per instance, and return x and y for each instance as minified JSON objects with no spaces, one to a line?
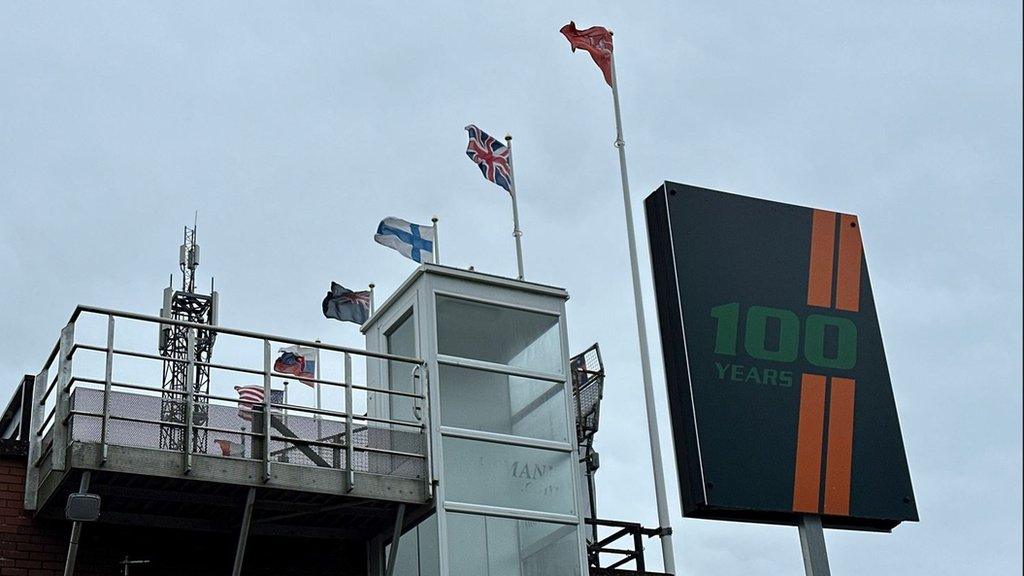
{"x":812,"y":544}
{"x":76,"y":530}
{"x":243,"y":533}
{"x":395,"y":539}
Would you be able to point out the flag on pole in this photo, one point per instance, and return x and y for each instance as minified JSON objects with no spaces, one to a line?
{"x":491,"y":156}
{"x":596,"y":40}
{"x":413,"y":241}
{"x":229,"y":448}
{"x":299,"y":361}
{"x":248,"y":398}
{"x":251,"y":396}
{"x":346,"y":305}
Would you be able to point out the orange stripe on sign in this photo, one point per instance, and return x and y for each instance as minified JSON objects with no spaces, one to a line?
{"x":848,"y":275}
{"x":807,"y":481}
{"x":840,"y":447}
{"x":819,"y":275}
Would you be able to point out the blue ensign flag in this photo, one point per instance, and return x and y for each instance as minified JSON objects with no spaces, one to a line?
{"x":346,"y":305}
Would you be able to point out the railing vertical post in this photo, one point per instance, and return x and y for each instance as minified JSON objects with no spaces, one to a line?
{"x":638,"y":549}
{"x":428,"y":444}
{"x":349,"y":464}
{"x":257,"y":431}
{"x":35,"y":439}
{"x":190,"y":373}
{"x":266,"y":409}
{"x":63,"y":397}
{"x":107,"y":377}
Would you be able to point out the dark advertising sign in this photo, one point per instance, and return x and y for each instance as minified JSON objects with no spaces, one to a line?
{"x":778,"y":387}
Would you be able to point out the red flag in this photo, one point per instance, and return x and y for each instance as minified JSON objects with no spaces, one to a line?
{"x":597,"y":41}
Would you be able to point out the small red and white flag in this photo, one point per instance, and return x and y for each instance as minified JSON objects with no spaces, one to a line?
{"x":596,"y":40}
{"x":229,"y":448}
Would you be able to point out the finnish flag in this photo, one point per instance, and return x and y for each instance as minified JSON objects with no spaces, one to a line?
{"x":410,"y":240}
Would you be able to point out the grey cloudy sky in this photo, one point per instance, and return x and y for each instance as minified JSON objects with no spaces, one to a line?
{"x":295,"y":127}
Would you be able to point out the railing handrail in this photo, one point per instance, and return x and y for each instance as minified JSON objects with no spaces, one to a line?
{"x":236,"y":332}
{"x":65,"y":381}
{"x":225,"y":330}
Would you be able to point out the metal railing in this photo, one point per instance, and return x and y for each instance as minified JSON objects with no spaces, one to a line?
{"x":70,"y":407}
{"x":622,"y":553}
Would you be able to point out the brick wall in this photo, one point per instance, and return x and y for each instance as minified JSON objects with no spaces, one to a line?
{"x":35,"y":547}
{"x":26,"y":548}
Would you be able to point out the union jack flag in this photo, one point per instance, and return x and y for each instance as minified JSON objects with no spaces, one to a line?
{"x":491,"y":156}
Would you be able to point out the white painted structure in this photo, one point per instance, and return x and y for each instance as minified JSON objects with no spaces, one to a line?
{"x":507,"y":496}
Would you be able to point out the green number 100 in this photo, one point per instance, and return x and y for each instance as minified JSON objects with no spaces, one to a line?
{"x":755,"y":337}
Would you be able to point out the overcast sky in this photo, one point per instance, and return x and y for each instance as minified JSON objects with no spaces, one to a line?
{"x":293,"y":128}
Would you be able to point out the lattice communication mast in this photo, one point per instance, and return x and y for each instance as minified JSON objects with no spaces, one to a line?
{"x":188,"y":305}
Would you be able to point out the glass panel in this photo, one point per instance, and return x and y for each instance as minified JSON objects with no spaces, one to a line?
{"x":467,"y":543}
{"x":496,"y":334}
{"x":401,"y":341}
{"x":509,"y":476}
{"x":430,"y":557}
{"x":501,"y":403}
{"x":485,"y":545}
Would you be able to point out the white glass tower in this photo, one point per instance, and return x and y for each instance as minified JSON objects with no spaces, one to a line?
{"x":507,"y":499}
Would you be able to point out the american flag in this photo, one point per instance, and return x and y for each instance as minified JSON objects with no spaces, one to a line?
{"x":248,"y":397}
{"x":491,"y":156}
{"x":252,"y":396}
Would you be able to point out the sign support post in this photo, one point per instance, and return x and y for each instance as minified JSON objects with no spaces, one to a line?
{"x":812,"y":544}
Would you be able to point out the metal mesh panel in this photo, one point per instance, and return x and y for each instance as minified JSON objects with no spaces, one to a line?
{"x":588,"y":384}
{"x":87,"y":428}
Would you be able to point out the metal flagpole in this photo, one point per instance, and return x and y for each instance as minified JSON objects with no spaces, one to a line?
{"x":437,"y":242}
{"x":372,"y":286}
{"x":515,"y":208}
{"x":285,"y":410}
{"x":665,"y":524}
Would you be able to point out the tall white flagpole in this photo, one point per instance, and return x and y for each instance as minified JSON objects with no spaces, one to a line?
{"x":665,"y":523}
{"x":515,"y":207}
